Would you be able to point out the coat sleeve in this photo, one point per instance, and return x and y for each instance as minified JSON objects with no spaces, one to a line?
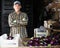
{"x":10,"y":21}
{"x":24,"y":20}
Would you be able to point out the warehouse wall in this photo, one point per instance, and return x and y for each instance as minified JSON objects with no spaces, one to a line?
{"x":6,"y":9}
{"x":0,"y":16}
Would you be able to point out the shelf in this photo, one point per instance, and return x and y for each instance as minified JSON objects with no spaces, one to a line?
{"x":34,"y":47}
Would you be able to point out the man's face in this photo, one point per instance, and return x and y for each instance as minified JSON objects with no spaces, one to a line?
{"x":17,"y":7}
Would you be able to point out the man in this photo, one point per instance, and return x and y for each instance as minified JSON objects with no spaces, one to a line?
{"x":17,"y":21}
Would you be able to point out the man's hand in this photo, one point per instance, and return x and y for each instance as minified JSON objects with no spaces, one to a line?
{"x":14,"y":21}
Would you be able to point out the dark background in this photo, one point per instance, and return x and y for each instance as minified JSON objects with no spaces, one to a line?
{"x":32,"y":7}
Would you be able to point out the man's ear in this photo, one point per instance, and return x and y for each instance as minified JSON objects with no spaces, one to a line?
{"x":13,"y":6}
{"x":21,"y":6}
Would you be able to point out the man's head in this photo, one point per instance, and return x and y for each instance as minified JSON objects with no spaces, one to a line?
{"x":17,"y":6}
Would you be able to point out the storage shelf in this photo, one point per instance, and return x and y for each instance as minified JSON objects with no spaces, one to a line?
{"x":34,"y":47}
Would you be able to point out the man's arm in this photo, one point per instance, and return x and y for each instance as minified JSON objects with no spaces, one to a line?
{"x":10,"y":21}
{"x":24,"y":20}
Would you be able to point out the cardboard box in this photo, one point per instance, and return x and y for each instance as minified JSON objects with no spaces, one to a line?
{"x":15,"y":42}
{"x":9,"y":43}
{"x":37,"y":33}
